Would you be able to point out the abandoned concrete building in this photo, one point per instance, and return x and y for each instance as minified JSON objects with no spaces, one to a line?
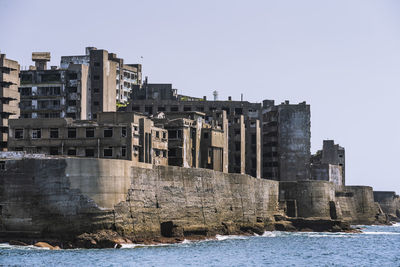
{"x":54,"y":93}
{"x":328,"y":164}
{"x":243,"y":119}
{"x":129,"y":136}
{"x":9,"y":96}
{"x":286,"y":141}
{"x":194,"y":143}
{"x":107,"y":71}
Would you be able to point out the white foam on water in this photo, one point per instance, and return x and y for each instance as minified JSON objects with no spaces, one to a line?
{"x":142,"y":245}
{"x":8,"y":246}
{"x":381,"y":233}
{"x":396,"y":225}
{"x":226,"y":237}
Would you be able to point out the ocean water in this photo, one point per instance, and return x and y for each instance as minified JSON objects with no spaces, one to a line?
{"x":376,"y":246}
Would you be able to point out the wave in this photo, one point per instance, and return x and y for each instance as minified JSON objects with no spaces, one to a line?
{"x":396,"y":225}
{"x":381,"y":233}
{"x":226,"y":237}
{"x":30,"y":247}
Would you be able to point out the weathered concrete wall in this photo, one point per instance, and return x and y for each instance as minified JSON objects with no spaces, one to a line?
{"x":64,"y":197}
{"x":322,"y":199}
{"x":389,"y":202}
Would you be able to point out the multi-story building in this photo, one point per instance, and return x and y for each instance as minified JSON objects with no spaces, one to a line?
{"x":129,"y":136}
{"x":286,"y":141}
{"x":9,"y":96}
{"x":331,"y":154}
{"x":109,"y":72}
{"x":243,"y":120}
{"x":54,"y":93}
{"x":194,"y":143}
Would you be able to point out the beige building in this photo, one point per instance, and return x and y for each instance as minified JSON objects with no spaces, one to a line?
{"x":129,"y":136}
{"x":9,"y":96}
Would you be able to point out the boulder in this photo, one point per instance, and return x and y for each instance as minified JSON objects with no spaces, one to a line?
{"x":46,"y":245}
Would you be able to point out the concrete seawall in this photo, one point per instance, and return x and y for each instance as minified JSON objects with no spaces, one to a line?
{"x":69,"y":196}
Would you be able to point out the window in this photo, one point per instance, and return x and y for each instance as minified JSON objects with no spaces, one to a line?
{"x":89,"y":152}
{"x":135,"y":108}
{"x":19,"y":133}
{"x":96,"y":103}
{"x":205,"y":135}
{"x":54,"y":150}
{"x":174,"y":108}
{"x":71,"y":152}
{"x":164,"y":135}
{"x":96,"y":77}
{"x":157,"y":153}
{"x":108,"y":132}
{"x":157,"y":134}
{"x":123,"y":151}
{"x":97,"y":64}
{"x":123,"y":131}
{"x":72,"y":89}
{"x":172,"y":152}
{"x":108,"y":152}
{"x":89,"y":132}
{"x":71,"y":132}
{"x":53,"y":132}
{"x":161,"y":108}
{"x":37,"y":133}
{"x":72,"y":75}
{"x":164,"y":153}
{"x":71,"y":103}
{"x":2,"y":165}
{"x":148,"y":109}
{"x":187,"y":108}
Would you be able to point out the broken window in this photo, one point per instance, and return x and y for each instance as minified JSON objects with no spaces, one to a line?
{"x":108,"y":132}
{"x":108,"y":152}
{"x":19,"y":133}
{"x":36,"y":133}
{"x":53,"y":132}
{"x":89,"y":132}
{"x":123,"y":132}
{"x":89,"y":152}
{"x":71,"y":132}
{"x":123,"y":151}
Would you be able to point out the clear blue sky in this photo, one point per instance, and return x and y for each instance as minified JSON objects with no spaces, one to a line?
{"x":342,"y":57}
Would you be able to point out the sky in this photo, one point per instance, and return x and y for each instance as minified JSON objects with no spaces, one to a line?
{"x":342,"y":57}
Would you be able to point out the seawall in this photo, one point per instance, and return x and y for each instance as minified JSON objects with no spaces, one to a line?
{"x":65,"y":197}
{"x":389,"y":202}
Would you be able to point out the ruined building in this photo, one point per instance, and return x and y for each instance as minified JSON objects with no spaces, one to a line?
{"x":54,"y":93}
{"x":9,"y":96}
{"x":194,"y":143}
{"x":286,"y":141}
{"x":107,"y":72}
{"x":244,"y":127}
{"x":129,"y":136}
{"x":328,"y":164}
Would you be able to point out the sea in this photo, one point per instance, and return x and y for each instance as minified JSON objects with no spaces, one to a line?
{"x":375,"y":246}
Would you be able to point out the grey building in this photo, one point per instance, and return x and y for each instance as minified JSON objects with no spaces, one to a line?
{"x":54,"y":93}
{"x":109,"y":73}
{"x":332,"y":154}
{"x":244,"y":124}
{"x":286,"y":141}
{"x":9,"y":96}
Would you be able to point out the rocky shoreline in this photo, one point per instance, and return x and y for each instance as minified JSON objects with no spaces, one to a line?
{"x":112,"y":239}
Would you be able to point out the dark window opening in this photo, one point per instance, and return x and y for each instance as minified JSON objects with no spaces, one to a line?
{"x":71,"y":152}
{"x":108,"y":152}
{"x":174,"y":108}
{"x":108,"y":132}
{"x":89,"y":152}
{"x":89,"y":132}
{"x":123,"y":151}
{"x":54,"y":151}
{"x":123,"y":132}
{"x":53,"y":132}
{"x":73,"y":75}
{"x":71,"y":132}
{"x":36,"y":133}
{"x":19,"y":133}
{"x":172,"y":152}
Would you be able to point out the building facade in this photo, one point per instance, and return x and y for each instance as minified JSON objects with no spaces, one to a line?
{"x":127,"y":136}
{"x":286,"y":141}
{"x":244,"y":133}
{"x":54,"y":93}
{"x":331,"y":154}
{"x":9,"y":96}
